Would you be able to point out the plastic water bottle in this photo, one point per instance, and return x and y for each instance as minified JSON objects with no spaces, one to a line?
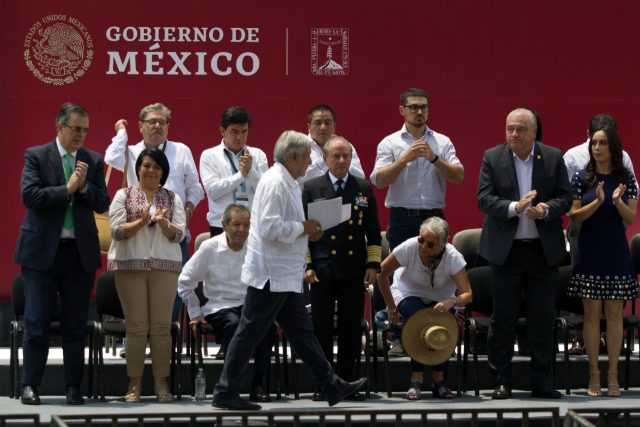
{"x":201,"y":385}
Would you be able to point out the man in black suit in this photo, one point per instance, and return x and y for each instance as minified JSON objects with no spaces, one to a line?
{"x":343,"y":260}
{"x":62,"y":185}
{"x":523,"y":190}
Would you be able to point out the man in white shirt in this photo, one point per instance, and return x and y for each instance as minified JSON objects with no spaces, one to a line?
{"x":273,"y":270}
{"x":415,"y":163}
{"x":231,"y":170}
{"x":322,"y":126}
{"x":217,"y":264}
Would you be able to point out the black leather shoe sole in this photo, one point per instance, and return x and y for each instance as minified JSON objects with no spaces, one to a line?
{"x":29,"y":396}
{"x":236,"y":404}
{"x":30,"y":400}
{"x":348,"y":391}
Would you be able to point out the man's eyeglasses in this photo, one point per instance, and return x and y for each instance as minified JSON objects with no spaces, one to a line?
{"x":414,"y":108}
{"x":76,"y":129}
{"x":422,"y":241}
{"x":154,"y":123}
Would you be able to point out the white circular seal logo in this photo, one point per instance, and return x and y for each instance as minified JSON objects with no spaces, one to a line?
{"x":58,"y":49}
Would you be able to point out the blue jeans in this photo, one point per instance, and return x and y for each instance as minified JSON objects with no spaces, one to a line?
{"x":407,"y":308}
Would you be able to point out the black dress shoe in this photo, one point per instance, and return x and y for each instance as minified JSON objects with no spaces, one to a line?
{"x":356,"y":397}
{"x":350,"y":389}
{"x":30,"y":396}
{"x":501,"y":392}
{"x":318,"y":396}
{"x":74,"y":397}
{"x":234,"y":402}
{"x":258,"y":395}
{"x":546,"y":392}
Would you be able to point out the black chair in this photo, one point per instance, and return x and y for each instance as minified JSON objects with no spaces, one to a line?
{"x":467,"y":243}
{"x":570,"y":316}
{"x":16,"y":330}
{"x":108,"y":306}
{"x":377,"y":304}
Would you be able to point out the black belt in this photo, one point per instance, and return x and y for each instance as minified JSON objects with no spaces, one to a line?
{"x":67,"y":241}
{"x":416,"y":212}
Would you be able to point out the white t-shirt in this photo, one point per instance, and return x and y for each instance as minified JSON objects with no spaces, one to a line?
{"x":414,"y":278}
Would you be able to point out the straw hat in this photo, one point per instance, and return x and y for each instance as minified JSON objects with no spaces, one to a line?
{"x":429,"y":337}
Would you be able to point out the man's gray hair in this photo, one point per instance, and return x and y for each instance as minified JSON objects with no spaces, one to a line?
{"x":288,"y":143}
{"x":231,"y":209}
{"x":335,"y":138}
{"x":532,"y":117}
{"x":436,"y":226}
{"x":158,"y":106}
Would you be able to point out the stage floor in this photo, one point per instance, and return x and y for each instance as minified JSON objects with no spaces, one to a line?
{"x":55,"y":405}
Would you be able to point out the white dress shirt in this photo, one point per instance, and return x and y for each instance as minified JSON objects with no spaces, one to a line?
{"x":419,"y":185}
{"x":68,"y":233}
{"x":219,"y":267}
{"x":220,"y":180}
{"x":576,"y":159}
{"x":277,"y":244}
{"x":318,"y":167}
{"x":524,"y":172}
{"x":183,"y":176}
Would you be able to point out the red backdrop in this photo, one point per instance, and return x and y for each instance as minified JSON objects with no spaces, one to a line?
{"x":477,"y":60}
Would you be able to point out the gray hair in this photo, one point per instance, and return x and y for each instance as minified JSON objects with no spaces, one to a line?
{"x":288,"y":143}
{"x":69,"y":108}
{"x":158,"y":106}
{"x":532,"y":117}
{"x":436,"y":226}
{"x":231,"y":209}
{"x":336,"y":138}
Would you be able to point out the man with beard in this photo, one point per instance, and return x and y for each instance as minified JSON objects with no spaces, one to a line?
{"x":415,"y":163}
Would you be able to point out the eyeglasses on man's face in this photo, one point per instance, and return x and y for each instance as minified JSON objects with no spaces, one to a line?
{"x":76,"y":129}
{"x":414,"y":108}
{"x":154,"y":123}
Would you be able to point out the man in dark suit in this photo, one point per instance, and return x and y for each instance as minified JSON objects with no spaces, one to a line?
{"x":343,"y":260}
{"x":523,"y":190}
{"x":62,"y":184}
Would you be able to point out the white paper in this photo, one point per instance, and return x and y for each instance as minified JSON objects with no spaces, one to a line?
{"x":329,"y":213}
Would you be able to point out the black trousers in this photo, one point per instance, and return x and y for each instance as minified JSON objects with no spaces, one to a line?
{"x":225,"y":323}
{"x":349,"y":295}
{"x":525,"y":276}
{"x":405,"y":224}
{"x":260,"y":309}
{"x":41,"y":289}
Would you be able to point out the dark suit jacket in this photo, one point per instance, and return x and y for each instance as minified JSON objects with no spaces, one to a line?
{"x":346,"y":250}
{"x":498,"y":187}
{"x":44,"y":193}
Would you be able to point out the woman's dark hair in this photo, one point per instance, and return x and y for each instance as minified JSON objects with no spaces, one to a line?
{"x":159,"y":157}
{"x":619,"y":172}
{"x":538,"y":124}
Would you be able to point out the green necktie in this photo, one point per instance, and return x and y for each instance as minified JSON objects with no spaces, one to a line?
{"x":68,"y":215}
